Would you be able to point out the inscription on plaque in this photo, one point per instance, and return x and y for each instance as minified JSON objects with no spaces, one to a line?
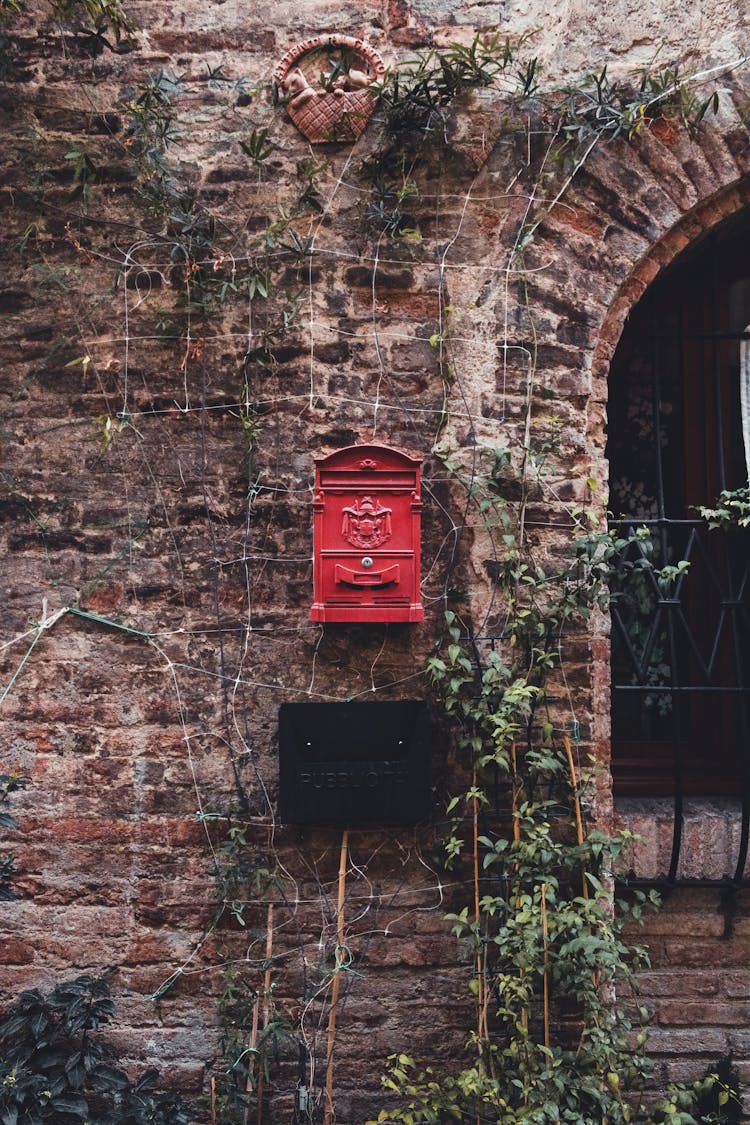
{"x":355,"y":777}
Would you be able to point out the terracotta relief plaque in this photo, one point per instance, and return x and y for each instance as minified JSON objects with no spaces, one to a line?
{"x":325,"y":83}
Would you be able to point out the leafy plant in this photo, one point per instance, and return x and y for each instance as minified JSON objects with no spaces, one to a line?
{"x":732,"y":509}
{"x":9,"y":783}
{"x":249,"y":1049}
{"x":712,"y":1100}
{"x":557,"y":1034}
{"x":255,"y":1030}
{"x":85,"y":175}
{"x":414,"y":100}
{"x":599,"y":105}
{"x":151,"y":128}
{"x":9,"y":8}
{"x":415,"y":96}
{"x":257,"y":146}
{"x":95,"y":19}
{"x":552,"y":1038}
{"x":385,"y":209}
{"x":310,"y":198}
{"x":99,"y":15}
{"x":52,"y":1068}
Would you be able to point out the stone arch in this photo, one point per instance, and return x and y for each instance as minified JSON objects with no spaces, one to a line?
{"x":627,"y":214}
{"x":696,"y":223}
{"x":653,"y":823}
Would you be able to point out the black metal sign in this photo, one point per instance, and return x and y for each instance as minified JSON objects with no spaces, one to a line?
{"x":354,"y":764}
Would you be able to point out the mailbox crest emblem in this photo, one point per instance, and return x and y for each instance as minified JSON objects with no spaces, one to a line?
{"x":366,"y":523}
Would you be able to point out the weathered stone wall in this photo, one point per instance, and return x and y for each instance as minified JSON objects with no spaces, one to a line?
{"x":697,"y":986}
{"x":162,"y":490}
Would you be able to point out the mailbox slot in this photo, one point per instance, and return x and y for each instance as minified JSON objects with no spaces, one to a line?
{"x":354,"y":764}
{"x":367,"y":512}
{"x":359,"y":578}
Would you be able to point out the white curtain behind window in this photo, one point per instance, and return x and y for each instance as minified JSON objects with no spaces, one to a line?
{"x":745,"y":398}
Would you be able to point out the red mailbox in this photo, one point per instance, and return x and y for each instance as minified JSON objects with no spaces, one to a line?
{"x":366,"y":539}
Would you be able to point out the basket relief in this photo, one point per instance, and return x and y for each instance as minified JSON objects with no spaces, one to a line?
{"x":324,"y":83}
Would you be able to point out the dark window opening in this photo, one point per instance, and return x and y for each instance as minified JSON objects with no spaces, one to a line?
{"x":681,"y":649}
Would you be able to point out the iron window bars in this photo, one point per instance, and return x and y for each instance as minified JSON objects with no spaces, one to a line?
{"x":681,"y":644}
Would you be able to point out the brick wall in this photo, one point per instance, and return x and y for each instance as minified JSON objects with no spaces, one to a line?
{"x":697,"y":986}
{"x":131,"y":493}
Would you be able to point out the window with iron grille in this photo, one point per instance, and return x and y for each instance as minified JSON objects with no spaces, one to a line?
{"x":678,"y":436}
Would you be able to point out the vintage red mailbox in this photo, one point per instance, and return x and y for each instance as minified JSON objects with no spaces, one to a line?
{"x":366,"y":537}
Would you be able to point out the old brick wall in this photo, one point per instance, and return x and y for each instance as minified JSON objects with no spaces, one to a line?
{"x":156,"y":509}
{"x":697,"y":986}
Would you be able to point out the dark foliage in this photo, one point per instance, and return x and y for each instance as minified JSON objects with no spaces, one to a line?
{"x":54,"y":1069}
{"x":9,"y":782}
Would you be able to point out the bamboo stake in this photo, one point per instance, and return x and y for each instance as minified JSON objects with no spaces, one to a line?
{"x":579,"y":834}
{"x":251,"y":1064}
{"x":514,"y":793}
{"x":253,"y":1042}
{"x":516,"y":838}
{"x":266,"y":1001}
{"x":478,"y":960}
{"x":576,"y":803}
{"x":213,"y":1100}
{"x":545,"y":933}
{"x":336,"y":985}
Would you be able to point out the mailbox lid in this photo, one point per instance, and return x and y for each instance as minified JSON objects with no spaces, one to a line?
{"x":354,"y":763}
{"x":381,"y":460}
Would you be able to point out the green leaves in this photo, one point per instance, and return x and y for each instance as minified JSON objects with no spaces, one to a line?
{"x":713,"y":1099}
{"x":600,"y":106}
{"x":542,"y":930}
{"x":257,"y":285}
{"x":93,"y":19}
{"x":51,"y":1064}
{"x":257,"y":146}
{"x":85,"y":175}
{"x":547,"y":954}
{"x":413,"y":96}
{"x":732,"y":510}
{"x":150,"y":115}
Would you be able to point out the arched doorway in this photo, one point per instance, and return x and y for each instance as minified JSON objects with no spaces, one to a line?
{"x":677,"y":437}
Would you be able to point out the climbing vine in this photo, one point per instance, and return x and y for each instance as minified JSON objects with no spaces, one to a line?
{"x":558,"y":1034}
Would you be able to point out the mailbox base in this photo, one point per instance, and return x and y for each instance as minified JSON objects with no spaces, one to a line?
{"x":364,"y":613}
